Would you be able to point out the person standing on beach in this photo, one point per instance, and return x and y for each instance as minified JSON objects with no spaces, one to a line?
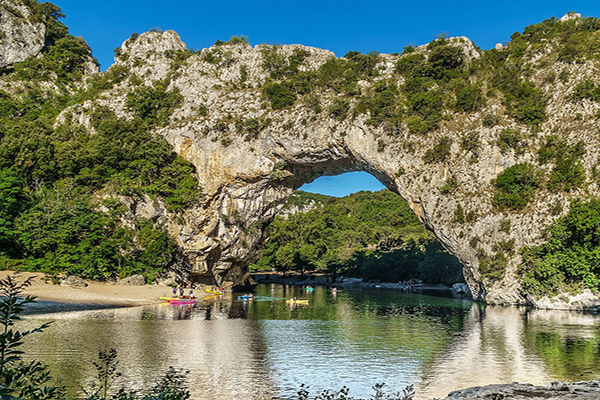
{"x":174,"y":291}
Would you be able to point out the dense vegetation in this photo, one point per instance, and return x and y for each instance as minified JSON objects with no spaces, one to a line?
{"x":570,"y":260}
{"x":371,"y":235}
{"x":56,"y":182}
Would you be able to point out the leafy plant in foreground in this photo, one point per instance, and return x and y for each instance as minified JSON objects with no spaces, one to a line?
{"x":19,"y":380}
{"x":379,"y":393}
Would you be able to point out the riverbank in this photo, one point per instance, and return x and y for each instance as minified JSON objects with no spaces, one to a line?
{"x":55,"y":297}
{"x":318,"y":279}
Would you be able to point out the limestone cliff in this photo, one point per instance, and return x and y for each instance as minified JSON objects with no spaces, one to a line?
{"x":21,"y":35}
{"x":252,"y":146}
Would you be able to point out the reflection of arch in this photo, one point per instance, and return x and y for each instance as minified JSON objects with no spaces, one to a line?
{"x":490,"y":350}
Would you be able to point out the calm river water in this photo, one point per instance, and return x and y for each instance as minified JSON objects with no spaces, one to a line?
{"x":265,"y":348}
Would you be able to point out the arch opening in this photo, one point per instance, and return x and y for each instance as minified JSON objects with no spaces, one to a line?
{"x":351,"y":225}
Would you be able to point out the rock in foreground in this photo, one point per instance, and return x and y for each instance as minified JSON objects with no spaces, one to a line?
{"x":517,"y":391}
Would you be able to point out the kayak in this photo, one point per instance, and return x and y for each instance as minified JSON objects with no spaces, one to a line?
{"x":169,"y":298}
{"x":182,"y":302}
{"x":212,"y":291}
{"x":309,"y":289}
{"x":297,"y":301}
{"x":247,"y":297}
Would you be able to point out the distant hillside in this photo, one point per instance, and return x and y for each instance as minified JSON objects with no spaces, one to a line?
{"x":372,"y":235}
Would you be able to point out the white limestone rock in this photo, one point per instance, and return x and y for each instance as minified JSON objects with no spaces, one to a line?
{"x":20,"y":37}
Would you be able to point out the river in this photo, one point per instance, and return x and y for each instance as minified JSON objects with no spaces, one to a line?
{"x":264,"y":348}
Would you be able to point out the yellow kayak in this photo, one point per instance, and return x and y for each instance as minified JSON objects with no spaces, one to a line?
{"x":291,"y":301}
{"x":212,"y":291}
{"x":169,"y":298}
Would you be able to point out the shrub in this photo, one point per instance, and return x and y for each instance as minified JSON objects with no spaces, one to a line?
{"x":567,"y":174}
{"x":445,"y":62}
{"x":411,"y":65}
{"x":490,"y":120}
{"x":459,"y":215}
{"x":450,"y":186}
{"x":516,"y":186}
{"x":492,"y":268}
{"x":570,"y":256}
{"x":440,"y":152}
{"x":281,"y":95}
{"x":471,"y":141}
{"x":510,"y":138}
{"x":339,"y":108}
{"x":154,"y":104}
{"x":586,"y":90}
{"x":469,"y":98}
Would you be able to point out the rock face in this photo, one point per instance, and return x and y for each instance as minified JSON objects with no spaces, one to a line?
{"x":251,"y":156}
{"x":247,"y":177}
{"x":21,"y":37}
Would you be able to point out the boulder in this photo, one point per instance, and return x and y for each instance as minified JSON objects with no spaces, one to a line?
{"x":461,"y":289}
{"x":133,"y":280}
{"x":74,"y":282}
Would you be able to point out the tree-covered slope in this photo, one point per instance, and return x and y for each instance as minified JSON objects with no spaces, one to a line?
{"x":62,"y":187}
{"x":371,"y":235}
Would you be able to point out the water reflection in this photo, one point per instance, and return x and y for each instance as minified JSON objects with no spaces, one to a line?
{"x":261,"y":348}
{"x":226,"y":357}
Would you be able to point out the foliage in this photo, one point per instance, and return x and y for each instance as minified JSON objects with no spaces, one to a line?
{"x":233,"y":41}
{"x":374,"y":235}
{"x":567,"y":173}
{"x":440,"y":152}
{"x":570,"y":259}
{"x":153,"y":104}
{"x":51,"y":217}
{"x":172,"y":386}
{"x":281,"y":95}
{"x":20,"y":380}
{"x":470,"y":141}
{"x":515,"y":186}
{"x":510,"y":138}
{"x":492,"y":267}
{"x":523,"y":100}
{"x":64,"y":232}
{"x":586,"y":90}
{"x":339,"y":108}
{"x":469,"y":98}
{"x":379,"y":393}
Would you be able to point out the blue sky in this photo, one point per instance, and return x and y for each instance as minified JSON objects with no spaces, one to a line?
{"x":377,"y":25}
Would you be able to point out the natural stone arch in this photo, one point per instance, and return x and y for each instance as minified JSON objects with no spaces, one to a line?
{"x":247,"y":176}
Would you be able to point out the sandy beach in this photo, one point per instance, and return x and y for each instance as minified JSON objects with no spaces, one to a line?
{"x":55,"y":297}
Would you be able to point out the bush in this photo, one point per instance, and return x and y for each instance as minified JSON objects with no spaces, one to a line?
{"x":440,"y":152}
{"x":469,"y":98}
{"x":586,"y":90}
{"x":510,"y":138}
{"x":516,"y":186}
{"x":445,"y":62}
{"x":154,"y":104}
{"x":492,"y":268}
{"x":567,"y":174}
{"x":281,"y":95}
{"x":570,"y":258}
{"x":339,"y":109}
{"x":471,"y":141}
